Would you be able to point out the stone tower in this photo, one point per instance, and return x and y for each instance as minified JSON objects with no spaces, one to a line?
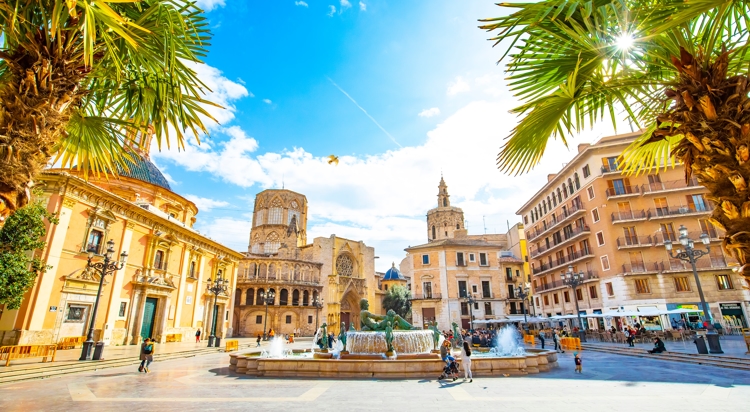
{"x":279,"y":217}
{"x":444,"y":220}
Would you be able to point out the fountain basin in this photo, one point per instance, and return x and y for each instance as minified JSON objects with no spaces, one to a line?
{"x":534,"y":361}
{"x":404,"y":342}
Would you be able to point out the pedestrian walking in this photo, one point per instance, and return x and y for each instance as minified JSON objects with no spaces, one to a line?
{"x":556,"y":339}
{"x":579,"y":362}
{"x":466,"y":361}
{"x":147,"y":355}
{"x":541,"y":338}
{"x":198,"y":336}
{"x":257,"y":342}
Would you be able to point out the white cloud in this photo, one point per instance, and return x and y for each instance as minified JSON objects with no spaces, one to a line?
{"x":267,"y":101}
{"x":208,"y":5}
{"x":300,"y":3}
{"x":205,"y":204}
{"x":362,"y":6}
{"x":459,"y":85}
{"x":429,"y":112}
{"x":223,"y":92}
{"x":331,"y":10}
{"x":382,"y":199}
{"x":345,"y":4}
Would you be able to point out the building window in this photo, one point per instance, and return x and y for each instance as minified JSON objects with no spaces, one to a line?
{"x":595,"y":215}
{"x":259,"y":217}
{"x":586,"y":171}
{"x":274,"y":215}
{"x":472,"y":258}
{"x":486,"y":291}
{"x":555,"y":298}
{"x":159,"y":259}
{"x":259,"y":319}
{"x":463,"y":292}
{"x":76,"y":313}
{"x":483,"y":260}
{"x":593,"y":293}
{"x":605,"y":262}
{"x":642,"y":286}
{"x":546,"y":300}
{"x":94,"y":243}
{"x":724,"y":282}
{"x":566,"y":296}
{"x":697,"y":203}
{"x":610,"y":289}
{"x":272,"y":243}
{"x":191,"y":270}
{"x":288,"y":319}
{"x":536,"y":299}
{"x":682,"y":284}
{"x":188,"y":300}
{"x":578,"y":181}
{"x":526,"y":220}
{"x":425,"y":259}
{"x":460,"y":259}
{"x":433,"y":232}
{"x":309,"y":319}
{"x":667,"y":232}
{"x":487,"y":308}
{"x":509,"y":274}
{"x":427,"y":289}
{"x":579,"y":294}
{"x":123,"y":306}
{"x":473,"y":289}
{"x":464,"y":309}
{"x":600,"y":238}
{"x":590,"y":192}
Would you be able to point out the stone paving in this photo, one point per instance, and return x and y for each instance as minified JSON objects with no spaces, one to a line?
{"x":204,"y":383}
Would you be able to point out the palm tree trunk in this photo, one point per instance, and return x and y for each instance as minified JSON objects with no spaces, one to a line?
{"x":35,"y":107}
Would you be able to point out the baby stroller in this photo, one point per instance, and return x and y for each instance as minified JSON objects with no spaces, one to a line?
{"x":451,"y":368}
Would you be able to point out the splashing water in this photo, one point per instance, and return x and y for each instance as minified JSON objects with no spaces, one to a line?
{"x":276,"y":349}
{"x":508,"y":342}
{"x":337,"y":348}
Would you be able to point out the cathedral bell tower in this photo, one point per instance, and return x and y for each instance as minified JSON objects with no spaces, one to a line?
{"x":444,"y":220}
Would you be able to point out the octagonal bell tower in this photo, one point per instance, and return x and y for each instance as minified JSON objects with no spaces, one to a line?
{"x":444,"y":220}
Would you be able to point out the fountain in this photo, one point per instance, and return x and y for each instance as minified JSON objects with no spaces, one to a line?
{"x":389,"y":347}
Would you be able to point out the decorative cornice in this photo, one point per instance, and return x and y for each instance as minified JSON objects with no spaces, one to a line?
{"x":69,"y":203}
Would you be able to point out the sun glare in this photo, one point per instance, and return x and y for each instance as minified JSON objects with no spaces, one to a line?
{"x":625,"y":41}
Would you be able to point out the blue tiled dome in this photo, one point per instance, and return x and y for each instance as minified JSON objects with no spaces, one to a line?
{"x":143,"y":169}
{"x":393,"y":274}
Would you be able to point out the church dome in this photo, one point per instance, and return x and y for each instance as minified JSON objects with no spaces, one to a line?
{"x":143,"y":169}
{"x":393,"y":274}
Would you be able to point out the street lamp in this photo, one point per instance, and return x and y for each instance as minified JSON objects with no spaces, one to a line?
{"x":217,"y":286}
{"x":573,"y":280}
{"x":104,"y":268}
{"x":268,"y":297}
{"x":318,"y":303}
{"x":523,"y":293}
{"x":471,"y":301}
{"x":690,"y":254}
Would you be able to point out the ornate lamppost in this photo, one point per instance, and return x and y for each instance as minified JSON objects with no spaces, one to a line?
{"x":471,"y":301}
{"x":523,"y":293}
{"x":268,"y":297}
{"x":104,"y":268}
{"x":318,"y":303}
{"x":217,"y":286}
{"x":690,"y":254}
{"x":573,"y":280}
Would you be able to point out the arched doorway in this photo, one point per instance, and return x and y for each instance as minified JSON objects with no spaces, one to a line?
{"x":349,"y":312}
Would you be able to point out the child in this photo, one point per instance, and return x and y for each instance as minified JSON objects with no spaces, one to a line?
{"x":578,"y":362}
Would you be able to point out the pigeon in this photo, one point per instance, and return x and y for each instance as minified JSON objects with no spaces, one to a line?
{"x":333,"y":159}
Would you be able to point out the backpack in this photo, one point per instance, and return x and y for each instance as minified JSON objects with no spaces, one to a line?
{"x":149,"y":349}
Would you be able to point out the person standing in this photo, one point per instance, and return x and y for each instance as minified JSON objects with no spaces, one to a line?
{"x":579,"y":363}
{"x":466,"y":361}
{"x":556,"y":339}
{"x":147,"y":355}
{"x":198,"y":336}
{"x":541,"y":338}
{"x":257,"y":342}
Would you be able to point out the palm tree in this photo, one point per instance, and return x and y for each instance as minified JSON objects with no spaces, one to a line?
{"x":675,"y":68}
{"x":80,"y":78}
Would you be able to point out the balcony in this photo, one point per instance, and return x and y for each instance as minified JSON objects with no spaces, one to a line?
{"x":611,"y":169}
{"x":704,"y":263}
{"x":670,"y":186}
{"x":714,"y":235}
{"x":667,"y":212}
{"x":567,"y":259}
{"x":564,"y":216}
{"x":589,"y":275}
{"x":628,"y":242}
{"x":631,"y":216}
{"x":567,"y":236}
{"x":427,"y":296}
{"x":624,"y":191}
{"x":640,"y":268}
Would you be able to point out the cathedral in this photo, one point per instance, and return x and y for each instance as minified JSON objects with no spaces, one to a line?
{"x":290,"y":286}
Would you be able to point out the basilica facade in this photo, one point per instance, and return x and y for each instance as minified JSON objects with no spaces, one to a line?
{"x":290,"y":286}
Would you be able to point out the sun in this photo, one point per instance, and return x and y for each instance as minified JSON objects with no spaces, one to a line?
{"x":625,"y":41}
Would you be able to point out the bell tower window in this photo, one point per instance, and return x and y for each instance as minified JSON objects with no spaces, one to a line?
{"x":445,"y":202}
{"x":433,"y":232}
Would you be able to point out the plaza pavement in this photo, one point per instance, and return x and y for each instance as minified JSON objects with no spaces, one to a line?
{"x":731,"y":345}
{"x":204,"y":383}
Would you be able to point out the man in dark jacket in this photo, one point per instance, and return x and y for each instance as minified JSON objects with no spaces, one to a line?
{"x":658,"y":346}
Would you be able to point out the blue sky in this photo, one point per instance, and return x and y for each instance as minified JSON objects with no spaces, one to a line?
{"x":434,"y":98}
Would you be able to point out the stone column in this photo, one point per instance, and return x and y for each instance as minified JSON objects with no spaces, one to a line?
{"x":181,"y":286}
{"x":117,"y":281}
{"x":233,"y":289}
{"x":137,"y":319}
{"x":198,"y":295}
{"x":162,"y":329}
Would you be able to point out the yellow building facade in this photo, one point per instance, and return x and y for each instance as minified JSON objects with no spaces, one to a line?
{"x":161,"y":290}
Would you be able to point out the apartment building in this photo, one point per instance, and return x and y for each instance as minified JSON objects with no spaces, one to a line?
{"x":454,"y":267}
{"x":612,"y":227}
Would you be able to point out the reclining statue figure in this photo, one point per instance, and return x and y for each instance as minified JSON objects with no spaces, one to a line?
{"x":373,"y":322}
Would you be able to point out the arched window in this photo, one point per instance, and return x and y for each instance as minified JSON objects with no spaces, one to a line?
{"x":433,"y":232}
{"x":159,"y":259}
{"x":344,"y":266}
{"x":275,"y":212}
{"x":565,"y":190}
{"x":315,"y":295}
{"x":305,"y":298}
{"x":386,"y":287}
{"x":238,"y":297}
{"x":259,"y":296}
{"x":559,"y":196}
{"x":249,"y":295}
{"x":262,"y":270}
{"x":554,"y":199}
{"x":284,"y":297}
{"x":458,"y":226}
{"x":252,"y":271}
{"x":297,"y":272}
{"x":295,"y":298}
{"x":578,"y":181}
{"x":273,"y":291}
{"x":256,"y":244}
{"x":272,"y":243}
{"x":570,"y":186}
{"x":445,"y":202}
{"x":259,"y":217}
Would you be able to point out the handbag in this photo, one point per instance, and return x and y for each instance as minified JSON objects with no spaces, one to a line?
{"x":148,"y":350}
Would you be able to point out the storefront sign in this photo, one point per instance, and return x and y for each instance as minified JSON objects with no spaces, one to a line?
{"x":731,"y":306}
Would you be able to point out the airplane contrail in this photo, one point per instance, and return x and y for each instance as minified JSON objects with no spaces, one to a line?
{"x":364,"y":111}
